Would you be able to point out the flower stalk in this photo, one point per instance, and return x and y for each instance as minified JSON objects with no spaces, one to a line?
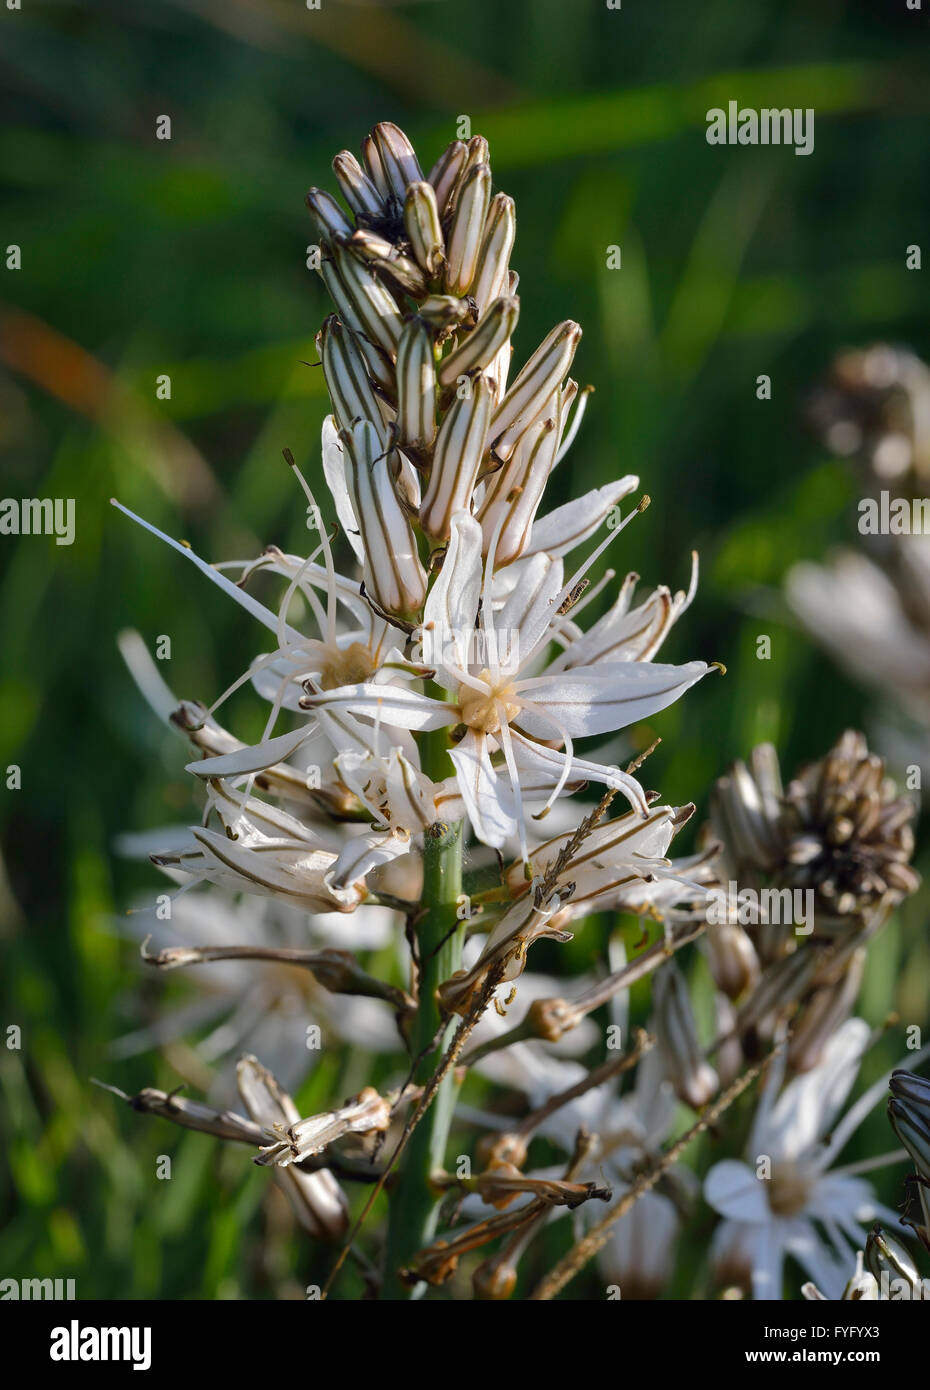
{"x":438,"y":933}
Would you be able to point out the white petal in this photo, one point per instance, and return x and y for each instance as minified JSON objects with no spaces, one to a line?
{"x":488,"y":798}
{"x":808,"y":1106}
{"x":392,"y":704}
{"x":334,"y":471}
{"x":255,"y":758}
{"x":569,"y":525}
{"x":529,"y":610}
{"x":451,"y":608}
{"x":733,"y":1189}
{"x":603,"y":699}
{"x":544,"y":765}
{"x":364,"y":853}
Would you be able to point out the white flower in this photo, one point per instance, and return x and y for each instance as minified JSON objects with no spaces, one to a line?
{"x":503,"y":712}
{"x":805,"y":1208}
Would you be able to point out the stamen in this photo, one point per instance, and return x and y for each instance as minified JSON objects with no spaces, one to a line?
{"x":581,"y":406}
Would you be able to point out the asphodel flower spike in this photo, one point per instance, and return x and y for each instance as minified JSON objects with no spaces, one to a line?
{"x":436,"y":694}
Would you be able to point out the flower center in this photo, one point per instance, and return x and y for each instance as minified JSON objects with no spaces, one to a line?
{"x":481,"y":709}
{"x":788,"y":1190}
{"x":351,"y":665}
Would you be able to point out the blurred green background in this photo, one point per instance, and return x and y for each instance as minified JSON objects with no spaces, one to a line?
{"x":142,"y":257}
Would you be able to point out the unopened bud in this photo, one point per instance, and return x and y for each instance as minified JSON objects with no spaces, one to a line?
{"x":467,"y":229}
{"x":422,"y":225}
{"x":691,"y":1075}
{"x":482,"y":345}
{"x":909,"y":1113}
{"x":886,"y":1256}
{"x":533,"y":386}
{"x":460,"y":447}
{"x":416,"y":385}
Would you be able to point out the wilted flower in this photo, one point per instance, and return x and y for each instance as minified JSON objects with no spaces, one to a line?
{"x":818,"y":867}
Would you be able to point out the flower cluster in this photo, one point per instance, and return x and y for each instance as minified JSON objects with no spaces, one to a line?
{"x":436,"y":705}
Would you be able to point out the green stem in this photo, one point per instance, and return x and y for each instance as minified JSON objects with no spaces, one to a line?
{"x":439,"y":933}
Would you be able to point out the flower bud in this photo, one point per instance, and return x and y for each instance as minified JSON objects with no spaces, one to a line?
{"x":422,"y":225}
{"x":909,"y":1113}
{"x":416,"y":385}
{"x":828,"y":1007}
{"x":531,"y":391}
{"x":692,"y":1076}
{"x":516,"y":489}
{"x":460,"y":446}
{"x":327,"y":214}
{"x":888,"y":1257}
{"x":376,"y":173}
{"x":493,"y":265}
{"x":446,"y":171}
{"x":386,"y":261}
{"x":374,"y":312}
{"x":398,"y":158}
{"x":393,"y":573}
{"x":347,"y":380}
{"x":444,"y":314}
{"x":478,"y":350}
{"x":467,"y":229}
{"x":732,"y":958}
{"x":357,"y":188}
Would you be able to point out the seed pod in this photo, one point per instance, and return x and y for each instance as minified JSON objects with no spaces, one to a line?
{"x":492,"y":269}
{"x":329,"y":217}
{"x":347,"y":379}
{"x":479,"y":349}
{"x":533,"y":386}
{"x":398,"y":158}
{"x":357,"y":188}
{"x":460,"y":446}
{"x":416,"y":385}
{"x":692,"y":1076}
{"x":375,"y":312}
{"x":393,"y":573}
{"x":422,"y":225}
{"x":467,"y":229}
